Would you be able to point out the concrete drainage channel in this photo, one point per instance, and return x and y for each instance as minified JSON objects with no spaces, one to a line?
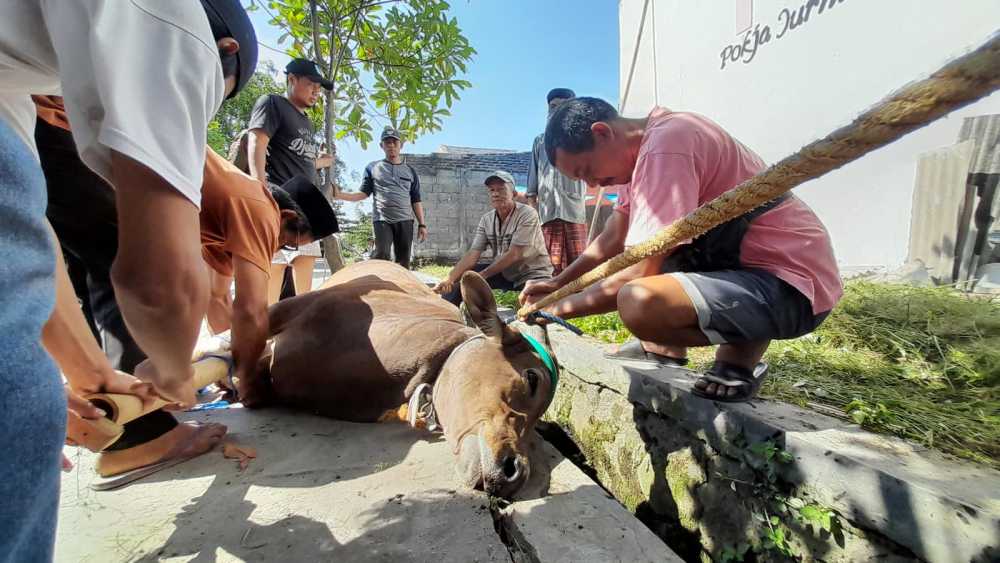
{"x":563,"y":515}
{"x":767,"y":480}
{"x":517,"y":545}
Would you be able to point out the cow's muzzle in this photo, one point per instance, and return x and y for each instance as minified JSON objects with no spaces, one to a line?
{"x":500,"y":473}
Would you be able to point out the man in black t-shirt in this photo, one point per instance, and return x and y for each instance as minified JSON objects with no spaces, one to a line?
{"x":282,"y":142}
{"x":281,"y":145}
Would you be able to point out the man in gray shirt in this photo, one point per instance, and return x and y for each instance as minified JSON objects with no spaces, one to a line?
{"x":396,"y":188}
{"x":512,"y":232}
{"x":558,"y":198}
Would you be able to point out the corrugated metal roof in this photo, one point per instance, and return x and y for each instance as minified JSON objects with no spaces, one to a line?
{"x":514,"y":162}
{"x":452,"y":149}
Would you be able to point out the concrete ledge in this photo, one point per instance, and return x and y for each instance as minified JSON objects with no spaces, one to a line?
{"x":634,"y":422}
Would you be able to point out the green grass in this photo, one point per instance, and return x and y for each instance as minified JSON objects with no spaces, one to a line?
{"x":437,"y":270}
{"x":919,"y":363}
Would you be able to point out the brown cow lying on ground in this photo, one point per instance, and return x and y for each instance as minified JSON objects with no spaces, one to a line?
{"x":361,"y":344}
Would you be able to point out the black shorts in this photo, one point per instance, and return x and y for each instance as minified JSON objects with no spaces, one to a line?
{"x":736,"y":306}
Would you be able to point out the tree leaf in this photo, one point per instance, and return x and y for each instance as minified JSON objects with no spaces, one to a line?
{"x":811,"y":513}
{"x":826,"y":522}
{"x":420,"y":74}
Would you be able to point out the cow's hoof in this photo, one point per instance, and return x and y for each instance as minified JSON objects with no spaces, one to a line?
{"x":255,"y":394}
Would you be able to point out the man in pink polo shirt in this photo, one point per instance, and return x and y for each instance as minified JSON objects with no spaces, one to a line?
{"x":768,"y":275}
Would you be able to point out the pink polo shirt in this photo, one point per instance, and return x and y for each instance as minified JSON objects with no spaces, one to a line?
{"x":686,"y":160}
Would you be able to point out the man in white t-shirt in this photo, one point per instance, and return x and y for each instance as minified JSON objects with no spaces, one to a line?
{"x":141,"y":80}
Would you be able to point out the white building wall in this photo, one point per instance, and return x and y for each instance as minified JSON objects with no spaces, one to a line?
{"x":804,"y":85}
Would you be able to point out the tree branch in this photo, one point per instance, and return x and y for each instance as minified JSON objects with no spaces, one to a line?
{"x":343,"y":48}
{"x":365,"y":7}
{"x":274,"y":19}
{"x":377,"y":62}
{"x":317,"y":52}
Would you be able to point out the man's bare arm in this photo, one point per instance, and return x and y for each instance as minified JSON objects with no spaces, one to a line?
{"x":350,"y":196}
{"x":220,"y":304}
{"x":504,"y":261}
{"x":68,"y":339}
{"x":602,"y":297}
{"x":610,"y":242}
{"x":163,"y":300}
{"x":250,"y":320}
{"x":464,"y":265}
{"x":257,"y":141}
{"x":418,"y":212}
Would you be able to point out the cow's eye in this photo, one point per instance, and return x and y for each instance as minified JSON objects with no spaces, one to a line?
{"x":532,"y":376}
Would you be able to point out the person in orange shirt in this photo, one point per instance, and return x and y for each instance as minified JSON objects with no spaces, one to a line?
{"x":243,"y":223}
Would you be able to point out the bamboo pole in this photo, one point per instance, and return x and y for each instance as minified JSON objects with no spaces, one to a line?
{"x":597,"y":213}
{"x":958,"y":83}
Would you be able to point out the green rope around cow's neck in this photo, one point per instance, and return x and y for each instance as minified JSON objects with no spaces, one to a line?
{"x":550,"y":364}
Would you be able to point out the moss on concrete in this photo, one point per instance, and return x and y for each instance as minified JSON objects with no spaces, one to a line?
{"x":647,"y":460}
{"x":684,"y":475}
{"x":629,"y":473}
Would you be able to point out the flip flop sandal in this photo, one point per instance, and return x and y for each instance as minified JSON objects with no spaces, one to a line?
{"x":731,"y":376}
{"x":122,"y":479}
{"x":632,"y":351}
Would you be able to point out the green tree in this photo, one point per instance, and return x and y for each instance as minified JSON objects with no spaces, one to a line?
{"x":234,"y":114}
{"x":399,"y":64}
{"x":357,"y":237}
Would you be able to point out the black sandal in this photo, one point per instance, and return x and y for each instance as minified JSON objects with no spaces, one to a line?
{"x":632,"y":351}
{"x":731,"y":376}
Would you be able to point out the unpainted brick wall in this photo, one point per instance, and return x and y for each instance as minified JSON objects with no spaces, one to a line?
{"x":454,"y":197}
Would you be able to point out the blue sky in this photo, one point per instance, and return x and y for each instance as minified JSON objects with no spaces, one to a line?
{"x":525,"y":48}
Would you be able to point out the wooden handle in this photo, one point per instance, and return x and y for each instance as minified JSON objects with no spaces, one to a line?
{"x":95,"y":435}
{"x":597,"y":213}
{"x":126,"y":408}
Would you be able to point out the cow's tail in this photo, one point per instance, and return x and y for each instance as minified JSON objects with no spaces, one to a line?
{"x":282,"y":313}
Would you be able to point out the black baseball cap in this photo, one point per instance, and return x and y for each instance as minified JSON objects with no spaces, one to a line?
{"x":391,"y":133}
{"x":563,"y":93}
{"x":322,"y":219}
{"x":309,"y":69}
{"x":227,"y":18}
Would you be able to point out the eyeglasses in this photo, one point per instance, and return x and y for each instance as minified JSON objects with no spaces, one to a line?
{"x":298,"y":234}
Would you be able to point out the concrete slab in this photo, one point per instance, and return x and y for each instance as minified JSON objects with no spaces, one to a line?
{"x":329,"y":490}
{"x":318,"y":490}
{"x":577,"y":521}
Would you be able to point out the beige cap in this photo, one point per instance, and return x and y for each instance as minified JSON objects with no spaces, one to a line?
{"x":502,"y":175}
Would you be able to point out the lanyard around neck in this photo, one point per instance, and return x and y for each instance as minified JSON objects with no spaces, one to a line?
{"x":499,"y":229}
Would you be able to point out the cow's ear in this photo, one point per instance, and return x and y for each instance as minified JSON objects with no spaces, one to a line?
{"x":478,"y":298}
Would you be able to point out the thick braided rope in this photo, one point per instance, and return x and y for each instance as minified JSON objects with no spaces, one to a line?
{"x":958,"y":83}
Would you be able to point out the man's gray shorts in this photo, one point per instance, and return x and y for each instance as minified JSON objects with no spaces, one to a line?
{"x":736,"y":306}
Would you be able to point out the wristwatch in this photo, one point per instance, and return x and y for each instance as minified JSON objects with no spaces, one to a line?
{"x":421,"y":226}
